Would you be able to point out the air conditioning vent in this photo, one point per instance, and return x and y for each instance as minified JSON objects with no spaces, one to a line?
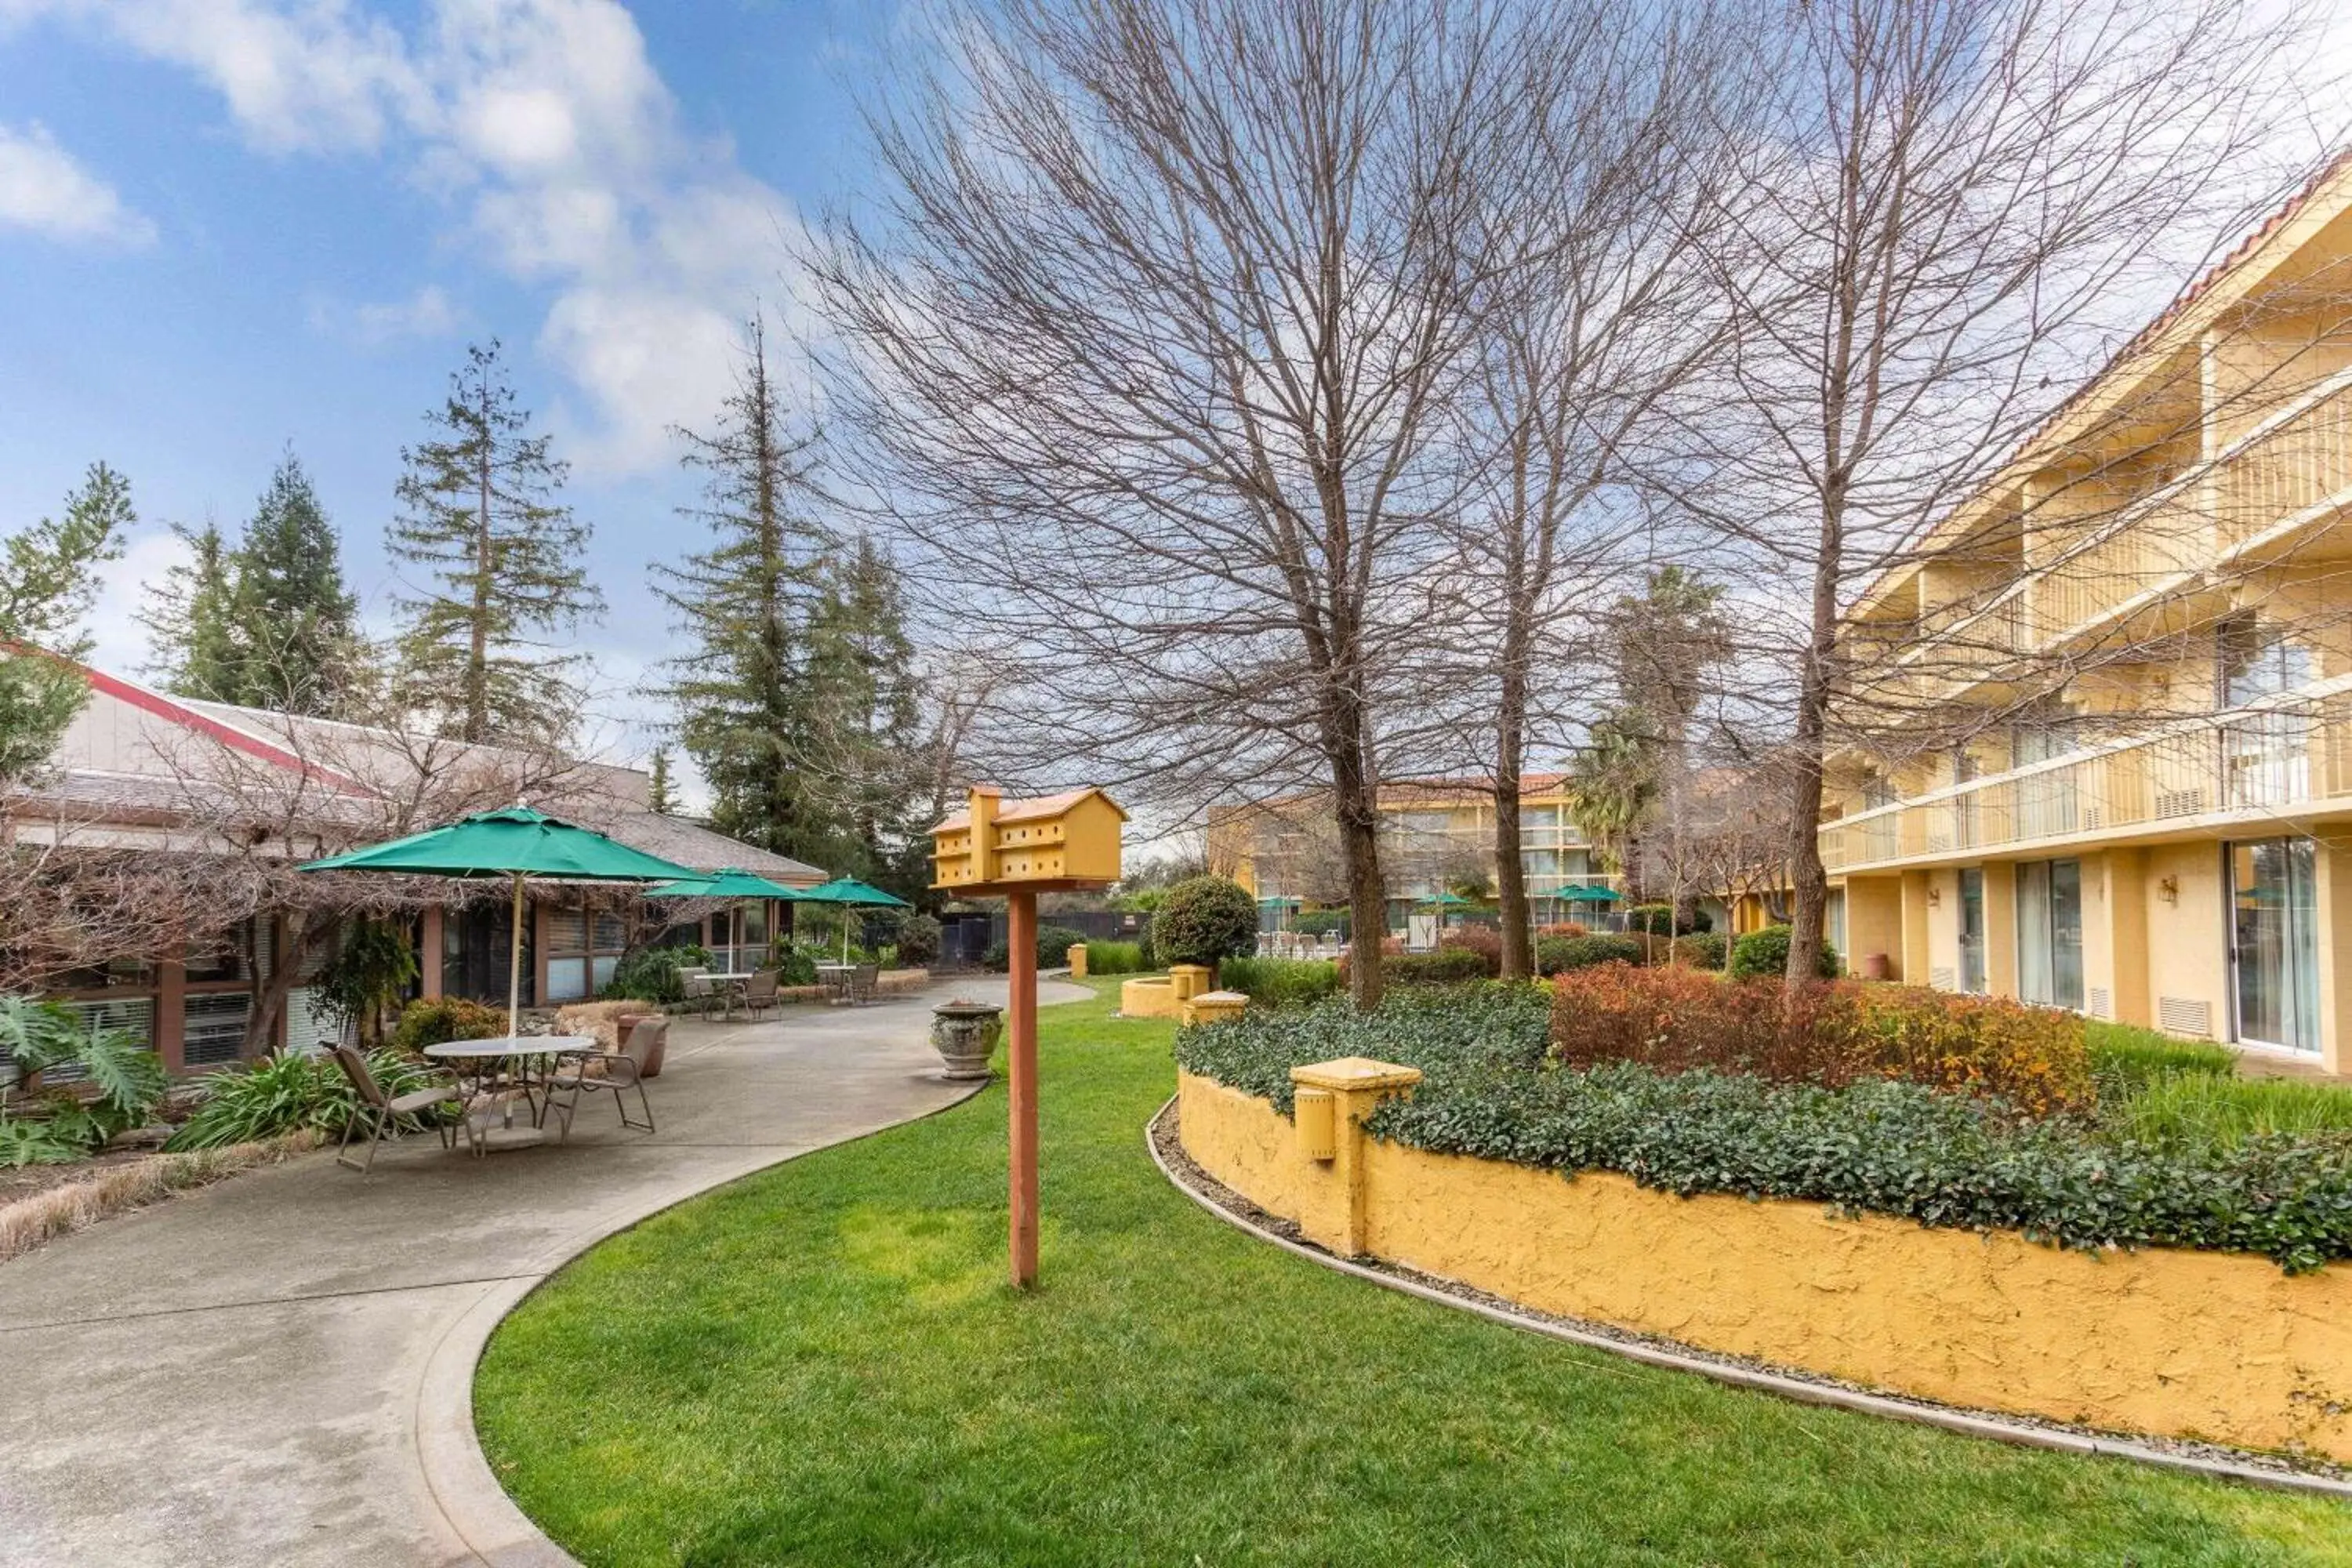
{"x":1943,"y":977}
{"x":2103,"y":1002}
{"x":2185,"y":1016}
{"x":2180,"y":801}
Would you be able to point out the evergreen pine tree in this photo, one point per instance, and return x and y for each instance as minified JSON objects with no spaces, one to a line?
{"x":862,"y":678}
{"x":49,"y":580}
{"x":745,"y":606}
{"x":195,"y":646}
{"x":299,"y":623}
{"x":657,"y":787}
{"x":502,"y":557}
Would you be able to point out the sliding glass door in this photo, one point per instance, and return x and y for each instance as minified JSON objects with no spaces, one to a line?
{"x":2273,"y":943}
{"x":1973,"y":931}
{"x":2050,"y":932}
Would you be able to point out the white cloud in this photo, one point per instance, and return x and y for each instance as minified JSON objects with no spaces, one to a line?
{"x":428,"y":314}
{"x":44,"y":189}
{"x":546,"y":124}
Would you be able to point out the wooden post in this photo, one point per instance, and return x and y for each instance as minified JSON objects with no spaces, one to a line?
{"x":1021,"y":941}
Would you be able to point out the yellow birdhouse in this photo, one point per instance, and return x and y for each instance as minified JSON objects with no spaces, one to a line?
{"x":1055,"y":842}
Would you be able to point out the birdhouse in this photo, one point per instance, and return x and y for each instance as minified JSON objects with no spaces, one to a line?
{"x":1054,"y":842}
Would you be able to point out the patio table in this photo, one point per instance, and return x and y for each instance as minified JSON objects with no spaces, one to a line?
{"x":481,"y":1064}
{"x":836,"y":979}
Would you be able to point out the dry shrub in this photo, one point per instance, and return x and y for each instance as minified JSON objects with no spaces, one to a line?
{"x":600,"y":1019}
{"x":1674,"y":1019}
{"x":28,"y":1222}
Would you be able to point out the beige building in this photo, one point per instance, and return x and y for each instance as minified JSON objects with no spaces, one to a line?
{"x":1433,"y":832}
{"x":2153,"y":598}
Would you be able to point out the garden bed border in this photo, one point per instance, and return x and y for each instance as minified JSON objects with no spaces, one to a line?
{"x":1237,"y":1210}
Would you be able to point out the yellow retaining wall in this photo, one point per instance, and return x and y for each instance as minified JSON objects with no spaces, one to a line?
{"x":1162,"y":998}
{"x":2219,"y":1346}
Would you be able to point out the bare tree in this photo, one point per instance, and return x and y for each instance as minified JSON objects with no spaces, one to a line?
{"x":1148,"y":354}
{"x":1576,"y":364}
{"x":1950,"y":210}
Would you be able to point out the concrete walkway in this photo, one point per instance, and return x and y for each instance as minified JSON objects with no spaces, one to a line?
{"x":276,"y":1370}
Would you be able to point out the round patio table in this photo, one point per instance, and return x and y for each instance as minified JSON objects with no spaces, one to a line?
{"x":836,"y":979}
{"x":481,"y":1065}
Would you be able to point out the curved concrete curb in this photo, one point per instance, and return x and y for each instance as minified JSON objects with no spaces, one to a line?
{"x":474,"y":1507}
{"x":2022,"y":1434}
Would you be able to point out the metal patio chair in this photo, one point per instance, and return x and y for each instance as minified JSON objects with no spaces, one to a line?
{"x":624,"y":1069}
{"x":381,"y":1111}
{"x":760,"y":992}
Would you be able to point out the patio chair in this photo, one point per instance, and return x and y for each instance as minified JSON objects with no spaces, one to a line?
{"x":760,"y":991}
{"x":863,"y":981}
{"x":701,"y":990}
{"x":380,"y":1110}
{"x":624,"y":1069}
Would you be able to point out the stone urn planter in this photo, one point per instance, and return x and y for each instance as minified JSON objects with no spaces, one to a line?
{"x":965,"y":1034}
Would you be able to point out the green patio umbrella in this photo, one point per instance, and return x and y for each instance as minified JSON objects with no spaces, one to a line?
{"x":850,"y":890}
{"x":729,"y":883}
{"x":512,"y":841}
{"x":1590,"y":893}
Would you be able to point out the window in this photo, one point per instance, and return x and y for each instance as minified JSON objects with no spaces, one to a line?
{"x":2273,"y":943}
{"x":2050,"y":932}
{"x":2267,"y":756}
{"x":1973,"y":931}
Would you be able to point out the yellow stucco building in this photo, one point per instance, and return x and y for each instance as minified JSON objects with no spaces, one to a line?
{"x":2154,"y":597}
{"x":1431,"y":831}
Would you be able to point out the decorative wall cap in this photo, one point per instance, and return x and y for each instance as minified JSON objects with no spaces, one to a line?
{"x":1355,"y":1073}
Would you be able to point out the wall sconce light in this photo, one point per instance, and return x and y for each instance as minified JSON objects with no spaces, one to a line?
{"x":1935,"y":896}
{"x":2169,"y":889}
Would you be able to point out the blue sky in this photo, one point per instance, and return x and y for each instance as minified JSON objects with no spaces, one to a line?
{"x":227,"y":225}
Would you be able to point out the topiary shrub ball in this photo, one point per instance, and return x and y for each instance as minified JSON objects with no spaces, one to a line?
{"x":1762,"y":954}
{"x":1202,"y":920}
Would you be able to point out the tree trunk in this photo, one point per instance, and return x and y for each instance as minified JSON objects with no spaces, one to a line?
{"x":302,"y":938}
{"x":1808,"y":879}
{"x":478,"y":657}
{"x":1510,"y":873}
{"x":1355,"y":804}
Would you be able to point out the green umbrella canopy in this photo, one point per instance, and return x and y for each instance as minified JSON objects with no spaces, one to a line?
{"x":513,"y":841}
{"x":850,"y":890}
{"x":1449,"y":900}
{"x":510,"y":841}
{"x":1592,"y":893}
{"x":727,"y":883}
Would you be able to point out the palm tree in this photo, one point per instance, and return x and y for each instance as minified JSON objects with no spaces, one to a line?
{"x":1613,"y":787}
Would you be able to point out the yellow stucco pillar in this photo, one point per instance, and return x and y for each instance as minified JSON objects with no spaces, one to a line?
{"x":2001,"y":927}
{"x":1913,"y":965}
{"x":2333,"y":898}
{"x":1211,"y":1006}
{"x":1873,"y":922}
{"x":1077,"y":961}
{"x":2124,"y":882}
{"x":1332,"y":1211}
{"x":1186,"y":980}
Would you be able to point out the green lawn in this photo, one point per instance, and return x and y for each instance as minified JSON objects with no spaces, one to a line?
{"x":822,"y":1364}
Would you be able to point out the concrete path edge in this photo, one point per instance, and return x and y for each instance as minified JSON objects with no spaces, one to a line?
{"x":458,"y":1474}
{"x":1971,"y":1422}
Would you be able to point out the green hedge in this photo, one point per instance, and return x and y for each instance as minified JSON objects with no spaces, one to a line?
{"x":1053,"y":944}
{"x":1279,"y":981}
{"x":1766,"y":952}
{"x":1447,"y":966}
{"x":1555,"y":954}
{"x":1894,"y":1148}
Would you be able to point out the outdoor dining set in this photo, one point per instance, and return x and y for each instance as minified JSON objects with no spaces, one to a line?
{"x":552,"y":1072}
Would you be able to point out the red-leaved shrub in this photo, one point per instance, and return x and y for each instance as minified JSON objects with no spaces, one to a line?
{"x":1483,"y":941}
{"x":1675,"y":1019}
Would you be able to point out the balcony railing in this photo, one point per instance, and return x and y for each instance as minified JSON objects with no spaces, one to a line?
{"x":2263,"y":484}
{"x":2264,"y":758}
